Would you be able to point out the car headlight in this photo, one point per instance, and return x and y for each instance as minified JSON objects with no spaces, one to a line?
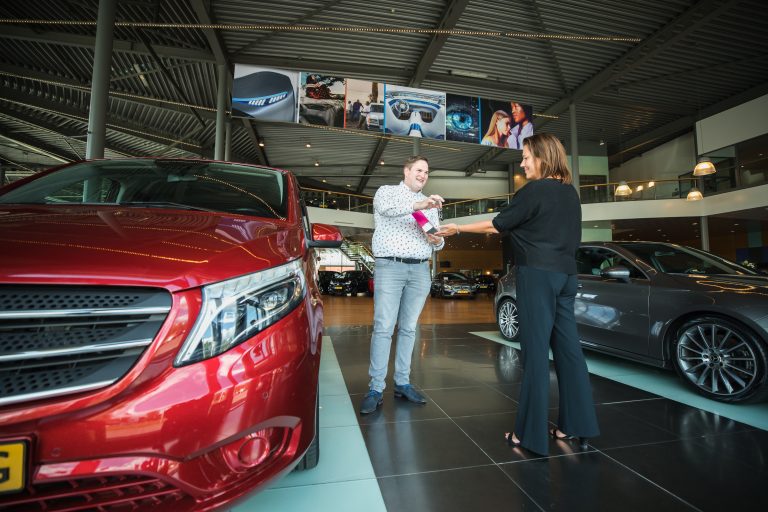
{"x":236,"y":310}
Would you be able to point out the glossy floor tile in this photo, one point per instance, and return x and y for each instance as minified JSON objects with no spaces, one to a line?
{"x":661,"y":448}
{"x":656,"y":451}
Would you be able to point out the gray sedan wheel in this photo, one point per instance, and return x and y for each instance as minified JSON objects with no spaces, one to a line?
{"x":508,"y":320}
{"x":721,"y":360}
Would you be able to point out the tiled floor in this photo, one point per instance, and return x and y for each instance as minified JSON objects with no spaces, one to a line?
{"x":655,"y":453}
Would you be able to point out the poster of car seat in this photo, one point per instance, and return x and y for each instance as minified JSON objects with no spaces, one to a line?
{"x":462,"y":118}
{"x":414,"y":112}
{"x":505,"y":124}
{"x":264,"y":93}
{"x":321,"y":99}
{"x":365,"y":107}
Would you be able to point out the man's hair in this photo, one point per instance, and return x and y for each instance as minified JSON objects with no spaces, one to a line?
{"x":551,"y":153}
{"x":413,"y":159}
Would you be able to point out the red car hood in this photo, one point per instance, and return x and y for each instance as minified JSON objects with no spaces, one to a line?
{"x":173,"y":249}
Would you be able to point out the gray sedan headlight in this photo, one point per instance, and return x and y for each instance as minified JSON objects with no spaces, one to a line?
{"x":236,"y":310}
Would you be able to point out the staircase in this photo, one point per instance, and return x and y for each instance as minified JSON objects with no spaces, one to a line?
{"x":358,"y":253}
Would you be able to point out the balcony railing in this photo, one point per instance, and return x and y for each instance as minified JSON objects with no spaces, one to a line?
{"x":593,"y":193}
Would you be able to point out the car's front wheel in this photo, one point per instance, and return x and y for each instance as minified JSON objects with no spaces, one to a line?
{"x":508,"y":319}
{"x":721,"y":360}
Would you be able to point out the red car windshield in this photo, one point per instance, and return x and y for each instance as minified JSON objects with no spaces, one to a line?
{"x":187,"y":184}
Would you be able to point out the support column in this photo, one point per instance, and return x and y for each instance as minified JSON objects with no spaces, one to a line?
{"x":102,"y":65}
{"x":574,"y":148}
{"x":416,"y":146}
{"x":704,"y":223}
{"x":221,"y":111}
{"x":228,"y":140}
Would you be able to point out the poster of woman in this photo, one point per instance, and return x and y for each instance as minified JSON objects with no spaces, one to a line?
{"x":505,"y":123}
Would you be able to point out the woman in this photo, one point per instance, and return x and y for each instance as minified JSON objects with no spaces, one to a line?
{"x":522,"y":128}
{"x":498,"y":130}
{"x":544,"y":222}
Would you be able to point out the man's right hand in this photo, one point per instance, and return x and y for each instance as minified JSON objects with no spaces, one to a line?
{"x":433,"y":201}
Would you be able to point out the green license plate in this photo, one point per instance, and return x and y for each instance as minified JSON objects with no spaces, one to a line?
{"x":13,"y":463}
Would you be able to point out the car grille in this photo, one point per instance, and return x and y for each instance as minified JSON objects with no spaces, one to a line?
{"x":104,"y":494}
{"x":57,"y":340}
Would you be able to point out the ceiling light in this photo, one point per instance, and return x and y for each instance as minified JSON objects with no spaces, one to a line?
{"x":639,"y":188}
{"x":317,"y":164}
{"x":381,"y":163}
{"x":602,"y":142}
{"x":261,"y":143}
{"x":651,"y":184}
{"x":704,"y":167}
{"x":467,"y":73}
{"x":694,"y":195}
{"x":308,"y":145}
{"x":325,"y":181}
{"x":623,"y":189}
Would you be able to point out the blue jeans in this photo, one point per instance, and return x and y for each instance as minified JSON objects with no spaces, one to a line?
{"x":399,"y":295}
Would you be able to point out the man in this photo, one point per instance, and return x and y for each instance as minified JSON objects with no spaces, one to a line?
{"x":364,"y":111}
{"x":402,"y":250}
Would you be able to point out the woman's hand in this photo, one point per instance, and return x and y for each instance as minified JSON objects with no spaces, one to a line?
{"x":447,"y":230}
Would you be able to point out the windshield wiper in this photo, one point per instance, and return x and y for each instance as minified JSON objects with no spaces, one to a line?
{"x":166,"y":203}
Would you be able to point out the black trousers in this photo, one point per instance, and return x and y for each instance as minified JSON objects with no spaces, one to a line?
{"x":545,"y":302}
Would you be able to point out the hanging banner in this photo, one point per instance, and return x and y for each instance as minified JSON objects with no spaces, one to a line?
{"x":264,"y":93}
{"x":462,"y":119}
{"x":365,"y":109}
{"x":321,"y":99}
{"x":505,"y":123}
{"x":414,"y":112}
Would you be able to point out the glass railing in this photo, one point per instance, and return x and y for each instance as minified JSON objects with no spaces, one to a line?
{"x":594,"y":193}
{"x":337,"y":200}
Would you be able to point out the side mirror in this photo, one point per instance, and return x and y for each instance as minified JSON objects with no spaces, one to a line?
{"x":325,"y":235}
{"x":618,"y":272}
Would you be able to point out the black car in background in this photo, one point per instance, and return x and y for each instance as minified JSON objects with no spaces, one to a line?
{"x":452,"y":284}
{"x":324,"y":280}
{"x":485,"y":283}
{"x":668,"y":305}
{"x":351,"y":282}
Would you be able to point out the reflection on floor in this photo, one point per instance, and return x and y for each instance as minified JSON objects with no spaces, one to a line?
{"x":654,"y":452}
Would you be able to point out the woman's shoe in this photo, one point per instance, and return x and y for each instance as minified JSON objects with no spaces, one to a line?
{"x":509,"y":436}
{"x":584,"y":443}
{"x":555,"y":433}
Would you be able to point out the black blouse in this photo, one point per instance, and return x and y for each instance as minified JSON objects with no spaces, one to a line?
{"x":544,"y":222}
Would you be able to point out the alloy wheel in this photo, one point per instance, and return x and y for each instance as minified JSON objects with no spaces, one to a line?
{"x":718,"y":359}
{"x":509,"y":323}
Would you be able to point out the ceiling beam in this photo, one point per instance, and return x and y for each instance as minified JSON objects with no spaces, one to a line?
{"x":58,"y":106}
{"x":41,"y":148}
{"x":451,"y":16}
{"x":119,"y":46}
{"x":255,"y":138}
{"x":21,"y":73}
{"x":538,"y":23}
{"x":636,"y":145}
{"x":670,"y":33}
{"x":373,"y":161}
{"x":301,"y":21}
{"x":477,"y":165}
{"x":213,"y":36}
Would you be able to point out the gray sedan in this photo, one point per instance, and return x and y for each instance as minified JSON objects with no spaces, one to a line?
{"x":669,"y":306}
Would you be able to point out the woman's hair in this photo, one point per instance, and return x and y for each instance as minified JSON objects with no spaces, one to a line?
{"x":551,"y":154}
{"x":493,"y":132}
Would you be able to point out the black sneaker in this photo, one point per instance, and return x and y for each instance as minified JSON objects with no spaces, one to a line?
{"x":409,"y":393}
{"x":371,"y":402}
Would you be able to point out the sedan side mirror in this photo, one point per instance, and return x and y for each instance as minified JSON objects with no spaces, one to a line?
{"x":618,"y":272}
{"x":325,"y":235}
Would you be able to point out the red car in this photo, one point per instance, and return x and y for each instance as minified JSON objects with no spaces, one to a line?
{"x":160,"y":334}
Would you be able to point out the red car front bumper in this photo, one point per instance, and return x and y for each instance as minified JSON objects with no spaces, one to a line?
{"x":188,"y":438}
